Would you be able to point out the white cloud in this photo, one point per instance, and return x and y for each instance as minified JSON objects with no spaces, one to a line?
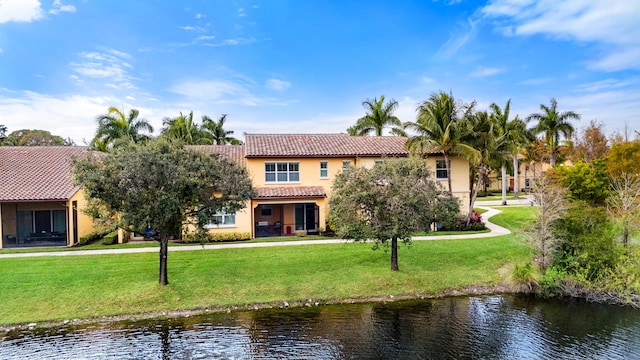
{"x":20,"y":10}
{"x":485,"y":72}
{"x":609,"y":23}
{"x":59,"y":7}
{"x":109,"y":65}
{"x":277,"y":85}
{"x":458,"y":40}
{"x":217,"y":91}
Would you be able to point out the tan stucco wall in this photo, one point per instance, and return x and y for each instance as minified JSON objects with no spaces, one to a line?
{"x":243,"y":222}
{"x":85,"y":222}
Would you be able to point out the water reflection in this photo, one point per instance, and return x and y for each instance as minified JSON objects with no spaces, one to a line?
{"x":491,"y":327}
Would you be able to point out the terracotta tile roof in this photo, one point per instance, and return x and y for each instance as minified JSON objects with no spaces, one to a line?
{"x":233,"y":152}
{"x":37,"y":173}
{"x":290,"y":192}
{"x":323,"y":145}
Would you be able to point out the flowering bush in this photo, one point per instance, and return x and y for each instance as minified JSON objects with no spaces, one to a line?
{"x":475,"y":217}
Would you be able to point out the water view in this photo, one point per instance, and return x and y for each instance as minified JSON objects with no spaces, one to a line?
{"x":489,"y":327}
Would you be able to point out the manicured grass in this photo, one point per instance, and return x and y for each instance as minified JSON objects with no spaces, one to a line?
{"x":57,"y":288}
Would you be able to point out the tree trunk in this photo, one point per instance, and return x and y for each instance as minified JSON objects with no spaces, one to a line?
{"x":504,"y":184}
{"x":516,"y":183}
{"x":474,"y":195}
{"x":552,"y":158}
{"x":164,"y":247}
{"x":625,"y":235}
{"x":394,"y":253}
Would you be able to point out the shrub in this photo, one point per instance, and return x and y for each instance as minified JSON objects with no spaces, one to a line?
{"x":111,"y":238}
{"x":459,"y":223}
{"x":202,"y":236}
{"x":525,"y":278}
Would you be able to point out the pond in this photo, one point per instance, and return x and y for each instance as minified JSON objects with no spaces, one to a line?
{"x":487,"y":327}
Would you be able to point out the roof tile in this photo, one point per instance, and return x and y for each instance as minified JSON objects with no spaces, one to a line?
{"x":290,"y":192}
{"x":37,"y":173}
{"x":323,"y":145}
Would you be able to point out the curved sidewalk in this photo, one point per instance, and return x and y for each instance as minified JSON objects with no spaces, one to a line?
{"x":495,"y":231}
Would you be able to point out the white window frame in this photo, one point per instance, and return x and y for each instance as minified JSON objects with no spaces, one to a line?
{"x":443,"y":169}
{"x":279,"y":174}
{"x":223,"y":217}
{"x":324,"y":169}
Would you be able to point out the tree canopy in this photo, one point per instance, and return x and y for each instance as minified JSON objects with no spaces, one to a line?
{"x":388,"y":202}
{"x":378,"y":116}
{"x":34,"y":137}
{"x":553,"y":125}
{"x":161,"y":185}
{"x":442,"y":126}
{"x":115,"y":128}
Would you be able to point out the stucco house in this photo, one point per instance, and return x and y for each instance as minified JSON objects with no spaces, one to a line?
{"x":291,"y":173}
{"x":39,"y":205}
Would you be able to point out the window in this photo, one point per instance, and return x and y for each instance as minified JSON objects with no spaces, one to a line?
{"x":441,"y":169}
{"x":265,"y":211}
{"x":346,"y":166}
{"x":281,"y":172}
{"x":324,"y":170}
{"x":222,"y":219}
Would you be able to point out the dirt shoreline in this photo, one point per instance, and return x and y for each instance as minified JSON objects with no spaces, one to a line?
{"x":468,"y":291}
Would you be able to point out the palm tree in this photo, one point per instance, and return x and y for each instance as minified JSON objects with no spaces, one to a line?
{"x":114,"y":128}
{"x":514,"y":134}
{"x":3,"y":132}
{"x":377,"y":118}
{"x":553,"y":124}
{"x":216,"y":132}
{"x":486,"y":141}
{"x":442,"y":126}
{"x":184,"y":129}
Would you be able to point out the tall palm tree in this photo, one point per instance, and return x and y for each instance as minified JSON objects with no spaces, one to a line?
{"x":184,"y":129}
{"x":486,"y":141}
{"x":216,"y":132}
{"x":553,"y":124}
{"x":379,"y":115}
{"x":115,"y":127}
{"x":442,"y":126}
{"x":515,"y":137}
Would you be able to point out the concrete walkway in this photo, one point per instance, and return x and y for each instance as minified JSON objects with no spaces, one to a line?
{"x":495,"y":231}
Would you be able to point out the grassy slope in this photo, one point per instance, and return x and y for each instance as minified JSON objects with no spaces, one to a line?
{"x":57,"y":288}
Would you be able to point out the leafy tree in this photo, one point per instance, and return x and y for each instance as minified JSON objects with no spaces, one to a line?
{"x":585,"y":182}
{"x":184,"y":129}
{"x":553,"y":124}
{"x":115,"y":128}
{"x":589,"y":144}
{"x":551,"y":207}
{"x":161,"y":185}
{"x":216,"y":132}
{"x":623,"y":158}
{"x":442,"y":126}
{"x":35,"y":138}
{"x":388,"y":202}
{"x":379,"y":115}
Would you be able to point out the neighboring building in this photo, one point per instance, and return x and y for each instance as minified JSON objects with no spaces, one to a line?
{"x":291,"y":173}
{"x":527,"y":174}
{"x":39,"y":205}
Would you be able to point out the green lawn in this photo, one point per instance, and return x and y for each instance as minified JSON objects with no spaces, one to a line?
{"x":58,"y":288}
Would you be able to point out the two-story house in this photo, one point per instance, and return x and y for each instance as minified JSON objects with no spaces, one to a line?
{"x":293,"y":174}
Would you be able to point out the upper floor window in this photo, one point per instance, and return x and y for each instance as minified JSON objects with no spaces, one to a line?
{"x":281,"y":172}
{"x":441,"y":169}
{"x":346,"y":166}
{"x":324,"y":170}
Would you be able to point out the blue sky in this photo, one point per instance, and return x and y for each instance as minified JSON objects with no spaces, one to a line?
{"x":306,"y":66}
